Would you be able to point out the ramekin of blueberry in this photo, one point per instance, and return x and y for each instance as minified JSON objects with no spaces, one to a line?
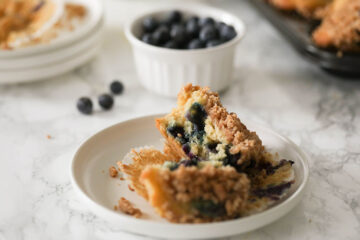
{"x":187,"y":44}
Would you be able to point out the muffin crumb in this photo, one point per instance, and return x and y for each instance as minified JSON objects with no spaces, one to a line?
{"x":113,"y":172}
{"x":126,"y":207}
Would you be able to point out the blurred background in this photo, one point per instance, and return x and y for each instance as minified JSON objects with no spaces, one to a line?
{"x":272,"y":83}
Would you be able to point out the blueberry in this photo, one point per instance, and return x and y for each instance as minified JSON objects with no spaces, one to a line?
{"x":196,"y":114}
{"x":208,"y":33}
{"x":212,"y":147}
{"x":188,"y":162}
{"x":231,"y":159}
{"x":106,"y":101}
{"x":192,"y":28}
{"x":171,"y":44}
{"x":161,"y":35}
{"x":213,"y":43}
{"x":206,"y":21}
{"x":176,"y":131}
{"x":195,"y":44}
{"x":178,"y":34}
{"x":173,"y":17}
{"x":186,"y":148}
{"x":208,"y":208}
{"x":149,"y":24}
{"x":84,"y":105}
{"x":194,"y":18}
{"x":219,"y":25}
{"x":227,"y":32}
{"x":174,"y":166}
{"x":116,"y":87}
{"x":148,"y":38}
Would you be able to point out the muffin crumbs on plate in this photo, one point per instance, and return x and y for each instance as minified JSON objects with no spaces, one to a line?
{"x":126,"y":207}
{"x":113,"y":172}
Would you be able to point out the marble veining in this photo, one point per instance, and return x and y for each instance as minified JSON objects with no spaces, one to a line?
{"x":40,"y":130}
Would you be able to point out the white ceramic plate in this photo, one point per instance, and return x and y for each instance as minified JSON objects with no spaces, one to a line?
{"x":95,"y":15}
{"x":40,"y":73}
{"x":52,"y":57}
{"x":90,"y":179}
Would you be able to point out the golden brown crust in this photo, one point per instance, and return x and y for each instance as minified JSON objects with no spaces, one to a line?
{"x":140,"y":160}
{"x":340,"y":27}
{"x":171,"y":190}
{"x":126,"y":207}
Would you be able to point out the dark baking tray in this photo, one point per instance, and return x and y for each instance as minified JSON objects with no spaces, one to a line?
{"x":297,"y":31}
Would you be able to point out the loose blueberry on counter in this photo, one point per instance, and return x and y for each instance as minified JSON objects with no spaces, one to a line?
{"x":84,"y":105}
{"x":227,"y":32}
{"x":171,"y":44}
{"x":106,"y":101}
{"x":178,"y":34}
{"x":206,"y":21}
{"x":161,"y":35}
{"x":213,"y":43}
{"x":195,"y":44}
{"x":116,"y":87}
{"x":173,"y":17}
{"x":149,"y":24}
{"x":148,"y":38}
{"x":208,"y":33}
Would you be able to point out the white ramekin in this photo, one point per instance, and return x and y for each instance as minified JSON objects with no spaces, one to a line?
{"x":165,"y":71}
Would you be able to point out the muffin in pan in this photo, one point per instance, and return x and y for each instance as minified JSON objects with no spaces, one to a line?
{"x":340,"y":27}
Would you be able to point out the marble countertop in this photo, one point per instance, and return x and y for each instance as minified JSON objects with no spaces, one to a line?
{"x":40,"y":130}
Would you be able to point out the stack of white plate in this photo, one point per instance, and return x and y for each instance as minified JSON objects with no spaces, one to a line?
{"x":63,"y":54}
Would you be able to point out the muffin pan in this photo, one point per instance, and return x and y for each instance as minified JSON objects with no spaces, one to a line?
{"x":297,"y":31}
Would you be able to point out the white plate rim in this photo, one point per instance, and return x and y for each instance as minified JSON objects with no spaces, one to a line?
{"x":102,"y":211}
{"x":66,"y":65}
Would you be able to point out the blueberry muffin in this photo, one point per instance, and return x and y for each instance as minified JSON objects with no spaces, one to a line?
{"x":212,"y":168}
{"x":340,"y":27}
{"x":305,"y":7}
{"x":200,"y":128}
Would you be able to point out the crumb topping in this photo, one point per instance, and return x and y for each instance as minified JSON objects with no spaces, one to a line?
{"x":207,"y":194}
{"x":340,"y":27}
